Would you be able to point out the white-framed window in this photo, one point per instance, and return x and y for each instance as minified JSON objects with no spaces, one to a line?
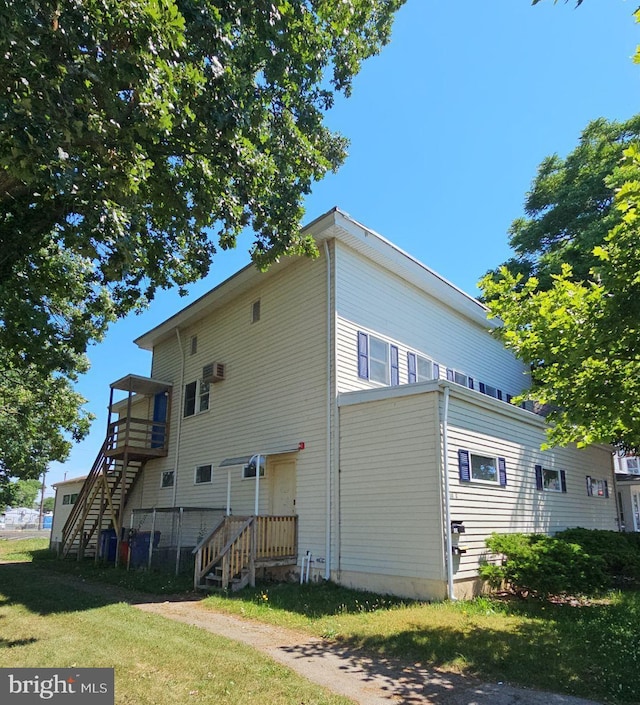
{"x":377,"y":360}
{"x":203,"y":474}
{"x":69,"y":498}
{"x":249,"y":470}
{"x":196,"y":398}
{"x":484,"y":468}
{"x":551,"y":480}
{"x":167,"y":479}
{"x":420,"y":368}
{"x":203,"y":398}
{"x":478,"y":467}
{"x":460,"y":378}
{"x":633,"y":465}
{"x":597,"y":487}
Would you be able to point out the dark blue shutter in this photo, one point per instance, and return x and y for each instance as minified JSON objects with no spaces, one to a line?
{"x":363,"y":355}
{"x":470,"y":383}
{"x":436,"y":370}
{"x":482,"y":387}
{"x":539,"y":483}
{"x":449,"y":375}
{"x":589,"y":488}
{"x":563,"y":480}
{"x":509,"y":398}
{"x":502,"y":471}
{"x":411,"y":366}
{"x":606,"y":489}
{"x":463,"y":466}
{"x":395,"y":369}
{"x":499,"y":393}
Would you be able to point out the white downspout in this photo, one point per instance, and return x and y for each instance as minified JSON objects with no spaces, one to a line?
{"x":228,"y":491}
{"x":179,"y":435}
{"x":257,"y":499}
{"x":447,"y":507}
{"x":327,"y":549}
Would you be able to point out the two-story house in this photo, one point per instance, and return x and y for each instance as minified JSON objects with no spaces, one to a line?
{"x":349,"y":418}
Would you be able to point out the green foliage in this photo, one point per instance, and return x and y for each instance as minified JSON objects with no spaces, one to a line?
{"x":619,"y":551}
{"x":581,"y":336}
{"x":137,"y":137}
{"x":49,"y":504}
{"x":21,"y":493}
{"x":540,"y":565}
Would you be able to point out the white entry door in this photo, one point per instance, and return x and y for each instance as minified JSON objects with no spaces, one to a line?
{"x":283,"y":487}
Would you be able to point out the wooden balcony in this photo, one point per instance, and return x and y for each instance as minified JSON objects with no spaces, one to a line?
{"x":137,"y":439}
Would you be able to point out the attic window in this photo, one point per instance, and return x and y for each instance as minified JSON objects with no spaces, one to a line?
{"x":255,"y":311}
{"x":194,"y":344}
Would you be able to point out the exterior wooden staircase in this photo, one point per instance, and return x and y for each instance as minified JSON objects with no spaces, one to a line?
{"x":99,"y":505}
{"x":129,"y":444}
{"x":228,"y":557}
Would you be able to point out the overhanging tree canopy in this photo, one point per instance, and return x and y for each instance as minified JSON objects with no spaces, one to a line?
{"x":137,"y":136}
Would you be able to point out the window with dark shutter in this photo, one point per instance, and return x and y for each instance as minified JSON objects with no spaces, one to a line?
{"x":411,"y":367}
{"x":464,"y":468}
{"x":502,"y":471}
{"x":395,"y":369}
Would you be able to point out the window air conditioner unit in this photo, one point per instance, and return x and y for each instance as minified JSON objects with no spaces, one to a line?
{"x":213,"y":373}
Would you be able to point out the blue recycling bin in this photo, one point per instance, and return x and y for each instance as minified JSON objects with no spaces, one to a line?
{"x":139,"y":544}
{"x":108,"y":545}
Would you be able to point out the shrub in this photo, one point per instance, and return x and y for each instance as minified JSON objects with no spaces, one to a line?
{"x":540,"y":565}
{"x":619,"y":551}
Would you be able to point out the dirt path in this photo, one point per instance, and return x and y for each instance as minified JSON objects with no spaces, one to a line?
{"x":366,"y":680}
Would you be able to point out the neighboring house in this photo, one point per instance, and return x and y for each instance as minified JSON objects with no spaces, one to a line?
{"x":65,"y":499}
{"x":627,"y":468}
{"x":359,"y":406}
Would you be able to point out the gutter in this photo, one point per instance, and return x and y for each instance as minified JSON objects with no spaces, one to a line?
{"x":327,"y":562}
{"x":447,"y":496}
{"x":179,"y":409}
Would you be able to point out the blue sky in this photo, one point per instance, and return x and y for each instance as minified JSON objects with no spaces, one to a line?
{"x":447,"y":127}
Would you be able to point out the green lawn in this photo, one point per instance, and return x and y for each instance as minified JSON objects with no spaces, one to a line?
{"x":156,"y":661}
{"x":590,"y":650}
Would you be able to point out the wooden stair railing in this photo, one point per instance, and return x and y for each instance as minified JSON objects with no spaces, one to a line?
{"x":99,"y":503}
{"x":229,"y":554}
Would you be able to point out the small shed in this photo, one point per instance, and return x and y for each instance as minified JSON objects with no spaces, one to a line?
{"x":66,"y":495}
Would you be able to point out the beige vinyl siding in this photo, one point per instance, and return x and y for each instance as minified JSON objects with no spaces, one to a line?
{"x":481,"y":426}
{"x":377,"y":301}
{"x":274,"y":396}
{"x":390,"y":508}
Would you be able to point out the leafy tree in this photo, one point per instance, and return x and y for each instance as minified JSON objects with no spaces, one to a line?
{"x":570,"y":208}
{"x":21,"y":493}
{"x":136,"y":137}
{"x":581,"y":336}
{"x":49,"y":504}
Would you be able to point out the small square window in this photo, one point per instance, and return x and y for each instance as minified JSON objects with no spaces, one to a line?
{"x":167,"y":479}
{"x":424,"y":369}
{"x":249,"y":470}
{"x":203,"y":474}
{"x":484,"y":468}
{"x":551,"y":480}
